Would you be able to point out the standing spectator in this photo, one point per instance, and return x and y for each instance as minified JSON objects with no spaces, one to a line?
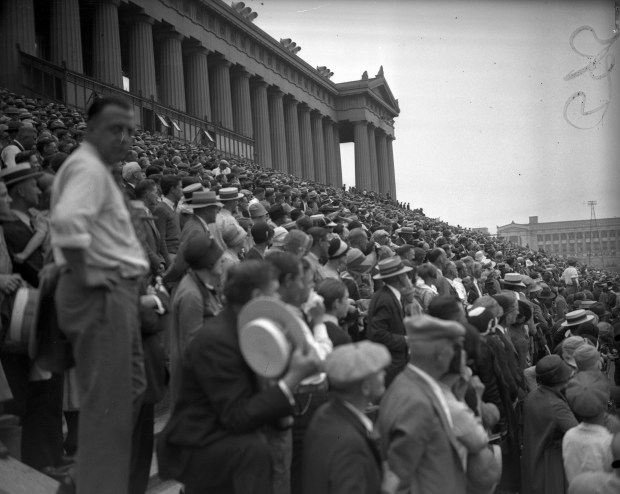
{"x":587,"y":447}
{"x":439,"y":259}
{"x":546,"y":418}
{"x":336,"y":299}
{"x":386,"y":313}
{"x":570,"y":276}
{"x":262,"y":234}
{"x":132,"y":175}
{"x":415,"y":425}
{"x":166,"y":217}
{"x":353,"y":462}
{"x":102,"y":262}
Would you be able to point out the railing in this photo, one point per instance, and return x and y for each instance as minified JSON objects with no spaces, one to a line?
{"x":43,"y":79}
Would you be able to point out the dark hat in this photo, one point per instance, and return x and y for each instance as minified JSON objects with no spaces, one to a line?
{"x":202,"y":252}
{"x":18,"y":173}
{"x":276,"y":212}
{"x":390,"y":267}
{"x":443,"y":306}
{"x":337,"y":248}
{"x":352,"y":362}
{"x":588,"y":393}
{"x":551,"y":370}
{"x":480,"y":317}
{"x":506,"y":302}
{"x":428,"y":328}
{"x":203,"y":199}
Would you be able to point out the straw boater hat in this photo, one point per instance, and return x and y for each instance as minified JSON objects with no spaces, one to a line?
{"x":390,"y":267}
{"x":576,"y":317}
{"x":229,"y":194}
{"x":268,"y":332}
{"x":513,"y":279}
{"x":18,"y":173}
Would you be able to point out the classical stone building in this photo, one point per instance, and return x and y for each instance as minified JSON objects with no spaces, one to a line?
{"x":202,"y":71}
{"x":568,"y":238}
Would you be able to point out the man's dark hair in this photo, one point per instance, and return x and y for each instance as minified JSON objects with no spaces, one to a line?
{"x":434,"y":254}
{"x":317,"y":233}
{"x":143,"y":187}
{"x":331,"y":290}
{"x":169,"y":182}
{"x":99,"y":104}
{"x":242,"y":279}
{"x":285,"y":264}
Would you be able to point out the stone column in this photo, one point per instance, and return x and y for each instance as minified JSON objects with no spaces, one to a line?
{"x":338,"y":162}
{"x":330,"y":152}
{"x":197,"y":83}
{"x":372,"y":156}
{"x":142,"y":57}
{"x":221,"y":99}
{"x":392,"y":175}
{"x":305,"y":142}
{"x":278,"y":134}
{"x":241,"y":103}
{"x":293,"y":146}
{"x":107,"y":66}
{"x":260,"y":123}
{"x":362,"y":160}
{"x":319,"y":147}
{"x":16,"y":27}
{"x":65,"y":35}
{"x":171,"y":78}
{"x":382,"y":162}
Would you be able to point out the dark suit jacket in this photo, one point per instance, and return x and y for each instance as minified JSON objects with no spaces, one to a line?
{"x":444,"y":287}
{"x":219,"y":399}
{"x":338,"y":335}
{"x":169,"y":226}
{"x":17,"y":235}
{"x":339,"y":456}
{"x":417,"y":440}
{"x":385,"y":326}
{"x":192,"y":227}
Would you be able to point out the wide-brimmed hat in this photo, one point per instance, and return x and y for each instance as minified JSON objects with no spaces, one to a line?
{"x":551,"y":370}
{"x":390,"y":267}
{"x":546,"y":293}
{"x":268,"y":332}
{"x":576,"y":317}
{"x":18,"y":173}
{"x":204,"y":199}
{"x":229,"y":194}
{"x":406,"y":230}
{"x":513,"y":279}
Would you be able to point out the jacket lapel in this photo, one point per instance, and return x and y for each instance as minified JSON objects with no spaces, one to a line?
{"x":372,"y":438}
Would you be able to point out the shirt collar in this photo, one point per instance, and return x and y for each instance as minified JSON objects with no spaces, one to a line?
{"x":168,"y":202}
{"x":394,"y":291}
{"x":366,"y":422}
{"x":330,"y":318}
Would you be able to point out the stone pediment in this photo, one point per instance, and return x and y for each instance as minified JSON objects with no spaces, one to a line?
{"x":379,"y":87}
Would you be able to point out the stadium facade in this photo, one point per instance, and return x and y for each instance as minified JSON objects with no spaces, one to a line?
{"x":201,"y":70}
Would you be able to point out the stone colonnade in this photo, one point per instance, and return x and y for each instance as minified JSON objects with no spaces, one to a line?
{"x":289,"y":135}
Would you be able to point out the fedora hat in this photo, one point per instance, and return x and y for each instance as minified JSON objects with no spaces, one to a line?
{"x":18,"y":173}
{"x":576,"y":317}
{"x":203,"y":199}
{"x":269,"y":330}
{"x":229,"y":194}
{"x":513,"y":279}
{"x":391,"y":266}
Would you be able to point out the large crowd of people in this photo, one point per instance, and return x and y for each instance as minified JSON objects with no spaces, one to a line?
{"x":428,"y":358}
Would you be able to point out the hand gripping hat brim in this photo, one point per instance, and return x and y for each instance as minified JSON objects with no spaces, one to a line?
{"x":268,"y":332}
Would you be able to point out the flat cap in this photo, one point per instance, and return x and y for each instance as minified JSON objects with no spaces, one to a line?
{"x":353,"y":362}
{"x":588,"y":393}
{"x":587,"y":358}
{"x":428,"y":328}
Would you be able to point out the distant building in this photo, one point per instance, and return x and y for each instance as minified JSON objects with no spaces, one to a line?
{"x":566,"y":238}
{"x":482,"y":229}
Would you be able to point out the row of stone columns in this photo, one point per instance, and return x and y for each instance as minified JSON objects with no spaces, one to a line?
{"x":374,"y":159}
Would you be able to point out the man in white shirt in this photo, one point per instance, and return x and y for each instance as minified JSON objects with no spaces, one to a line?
{"x":587,"y":447}
{"x":571,"y":277}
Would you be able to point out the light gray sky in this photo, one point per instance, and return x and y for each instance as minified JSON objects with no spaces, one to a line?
{"x":481,"y":139}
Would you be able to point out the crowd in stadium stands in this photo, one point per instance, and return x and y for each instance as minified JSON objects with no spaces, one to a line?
{"x":434,"y":358}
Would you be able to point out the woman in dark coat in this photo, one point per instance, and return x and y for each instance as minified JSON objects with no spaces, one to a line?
{"x":546,"y":419}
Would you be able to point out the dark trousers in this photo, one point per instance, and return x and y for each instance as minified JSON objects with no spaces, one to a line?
{"x":103,"y":328}
{"x":39,"y":406}
{"x":238,"y":464}
{"x":142,"y":449}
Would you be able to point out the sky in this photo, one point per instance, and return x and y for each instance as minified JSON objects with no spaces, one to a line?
{"x":483,"y":137}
